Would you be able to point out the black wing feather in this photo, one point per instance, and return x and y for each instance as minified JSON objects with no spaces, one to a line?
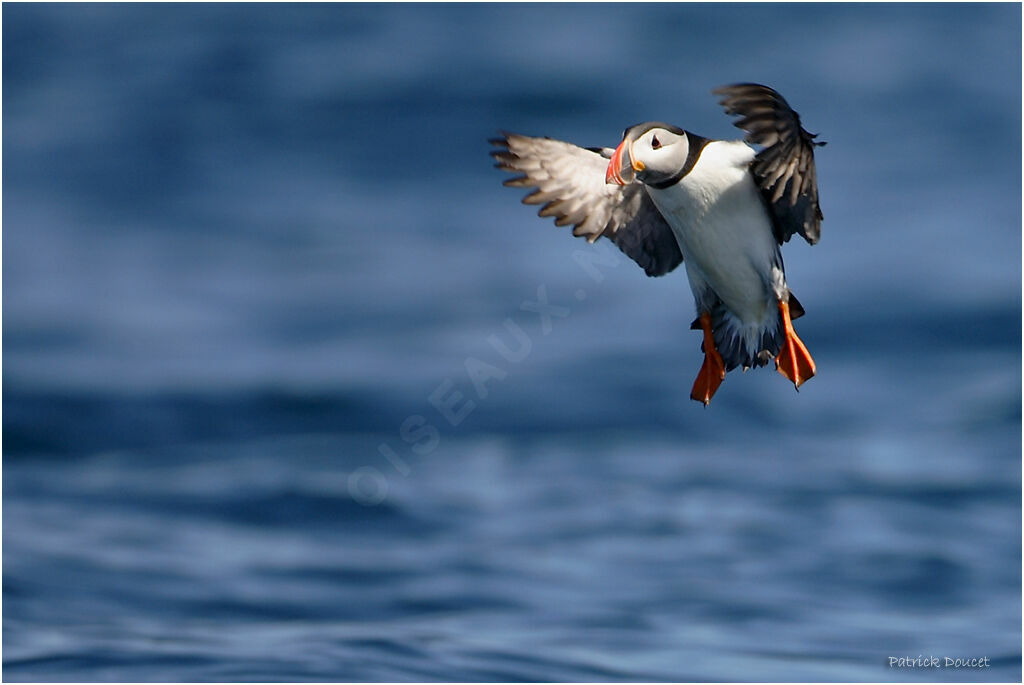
{"x":784,"y":169}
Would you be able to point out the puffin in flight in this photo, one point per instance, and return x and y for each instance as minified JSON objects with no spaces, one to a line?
{"x":666,"y":196}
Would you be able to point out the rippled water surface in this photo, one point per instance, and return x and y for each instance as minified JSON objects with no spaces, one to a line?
{"x":244,"y":245}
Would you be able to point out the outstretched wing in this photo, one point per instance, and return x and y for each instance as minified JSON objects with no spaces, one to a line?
{"x":570,"y":184}
{"x":784,"y":169}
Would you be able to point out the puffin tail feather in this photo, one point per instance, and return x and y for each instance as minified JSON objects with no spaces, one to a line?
{"x":746,"y":345}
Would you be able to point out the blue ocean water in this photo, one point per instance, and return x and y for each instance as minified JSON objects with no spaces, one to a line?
{"x":249,"y":249}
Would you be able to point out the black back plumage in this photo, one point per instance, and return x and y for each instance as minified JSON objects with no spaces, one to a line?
{"x":784,"y":169}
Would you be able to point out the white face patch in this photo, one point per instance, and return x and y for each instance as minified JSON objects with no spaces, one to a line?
{"x":661,"y":152}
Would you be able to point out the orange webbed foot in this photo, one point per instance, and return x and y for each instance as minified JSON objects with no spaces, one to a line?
{"x":712,"y":372}
{"x":794,"y":361}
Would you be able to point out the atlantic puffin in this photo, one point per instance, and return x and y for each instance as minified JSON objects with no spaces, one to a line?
{"x":667,"y":196}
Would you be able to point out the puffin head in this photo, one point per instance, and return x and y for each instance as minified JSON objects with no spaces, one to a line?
{"x":650,"y":153}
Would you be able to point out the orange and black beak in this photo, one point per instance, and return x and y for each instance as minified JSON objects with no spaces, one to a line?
{"x":614,"y":173}
{"x":620,"y":171}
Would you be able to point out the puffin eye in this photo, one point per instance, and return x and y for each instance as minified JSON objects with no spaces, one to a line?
{"x":655,"y":143}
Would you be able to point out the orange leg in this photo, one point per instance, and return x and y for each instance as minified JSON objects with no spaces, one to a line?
{"x":794,"y":361}
{"x":713,"y":371}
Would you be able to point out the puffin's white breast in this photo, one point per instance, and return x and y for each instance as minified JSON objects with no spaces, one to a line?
{"x":723,"y":230}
